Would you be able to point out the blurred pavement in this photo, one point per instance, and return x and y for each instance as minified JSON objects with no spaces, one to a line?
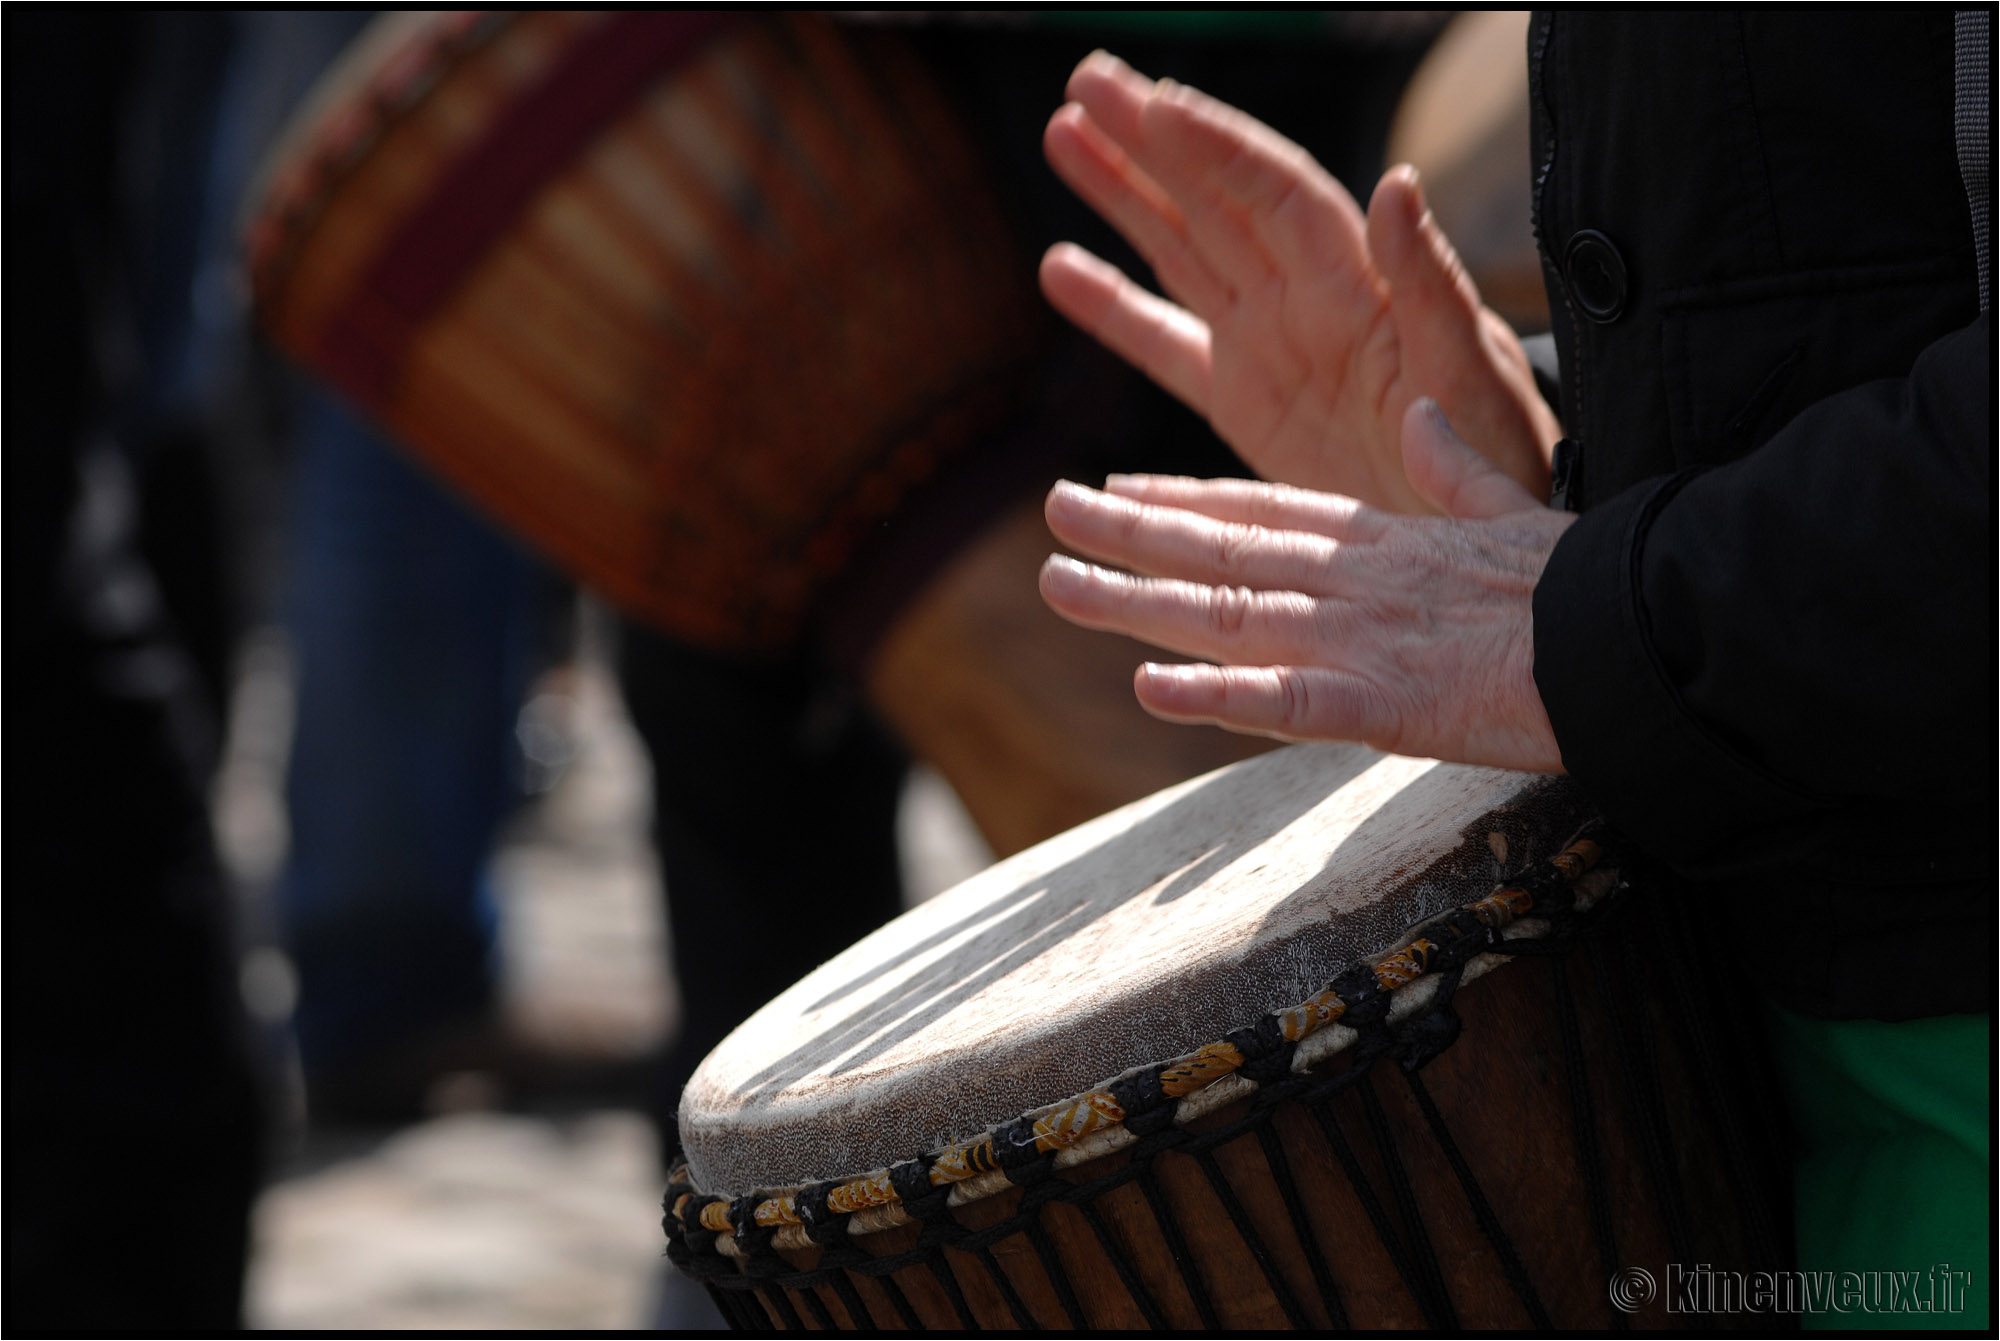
{"x":484,"y":1219}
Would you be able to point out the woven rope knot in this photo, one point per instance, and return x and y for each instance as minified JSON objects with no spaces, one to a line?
{"x":1153,"y":1120}
{"x":753,"y":1239}
{"x":822,"y":1225}
{"x":912,"y":1181}
{"x":1367,"y":1003}
{"x":1141,"y":1094}
{"x":1419,"y":1039}
{"x":1257,"y":1040}
{"x":1014,"y":1144}
{"x":1035,"y":1171}
{"x":1273,"y":1067}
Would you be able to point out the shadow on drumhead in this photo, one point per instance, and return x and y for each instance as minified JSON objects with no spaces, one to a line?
{"x":1160,"y":859}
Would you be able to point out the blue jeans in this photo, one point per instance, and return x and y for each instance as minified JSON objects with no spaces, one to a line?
{"x":414,"y":625}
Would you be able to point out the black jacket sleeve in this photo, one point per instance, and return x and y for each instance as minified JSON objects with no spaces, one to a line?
{"x":1787,"y":662}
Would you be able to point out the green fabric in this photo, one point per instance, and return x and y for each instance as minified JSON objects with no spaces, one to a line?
{"x":1894,"y":1166}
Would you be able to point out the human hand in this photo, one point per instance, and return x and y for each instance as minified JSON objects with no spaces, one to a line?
{"x":1331,"y":619}
{"x":1303,"y":329}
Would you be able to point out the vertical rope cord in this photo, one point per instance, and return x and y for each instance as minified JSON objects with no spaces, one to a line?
{"x":1183,"y":1259}
{"x":948,"y":1280}
{"x":1437,"y":1314}
{"x":860,"y":1316}
{"x":815,"y":1305}
{"x":739,"y":1312}
{"x":1583,"y":1115}
{"x":1302,"y":1228}
{"x":1482,"y":1210}
{"x":900,"y":1301}
{"x":725,"y":1304}
{"x":1406,"y":1203}
{"x":762,"y":1316}
{"x":1015,"y":1304}
{"x":1252,"y":1240}
{"x":788,"y":1317}
{"x":752,"y":1314}
{"x":1142,"y":1298}
{"x":1052,"y":1267}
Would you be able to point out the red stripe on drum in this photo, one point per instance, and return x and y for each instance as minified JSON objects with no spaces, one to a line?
{"x":479,"y":197}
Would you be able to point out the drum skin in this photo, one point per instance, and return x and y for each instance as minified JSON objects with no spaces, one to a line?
{"x":1597,"y":1134}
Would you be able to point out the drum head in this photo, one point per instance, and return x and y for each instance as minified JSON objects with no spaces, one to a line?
{"x":1143,"y":934}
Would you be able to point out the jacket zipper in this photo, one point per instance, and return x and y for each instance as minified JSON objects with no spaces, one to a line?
{"x":1568,"y":488}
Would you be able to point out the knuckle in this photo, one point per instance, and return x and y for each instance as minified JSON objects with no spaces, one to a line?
{"x":1230,"y":547}
{"x":1229,"y":609}
{"x":1295,"y":700}
{"x":1127,"y":523}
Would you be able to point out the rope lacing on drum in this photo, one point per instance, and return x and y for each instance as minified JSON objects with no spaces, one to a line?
{"x":1142,"y":1113}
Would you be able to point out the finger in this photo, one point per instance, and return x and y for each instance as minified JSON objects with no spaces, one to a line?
{"x":1101,"y":172}
{"x":1168,"y":130}
{"x":1186,"y":142}
{"x":1303,"y":222}
{"x":1452,"y":476}
{"x":1255,"y":502}
{"x":1457,"y":351}
{"x":1113,"y":91}
{"x":1428,"y":283}
{"x":1167,"y":343}
{"x":1289,"y":702}
{"x":1171,"y":542}
{"x":1431,"y":296}
{"x":1231,"y":624}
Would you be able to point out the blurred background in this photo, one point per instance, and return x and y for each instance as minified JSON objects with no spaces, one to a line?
{"x":373,"y":887}
{"x":489,"y":1214}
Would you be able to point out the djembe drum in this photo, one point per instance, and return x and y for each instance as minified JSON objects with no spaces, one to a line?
{"x":1326,"y":1039}
{"x":690,"y":300}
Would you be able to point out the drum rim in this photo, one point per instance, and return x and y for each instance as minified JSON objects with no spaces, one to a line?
{"x":1373,"y":992}
{"x":307,"y":167}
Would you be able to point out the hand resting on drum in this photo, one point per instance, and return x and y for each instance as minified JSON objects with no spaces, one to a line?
{"x":1305,"y":328}
{"x":1332,"y":619}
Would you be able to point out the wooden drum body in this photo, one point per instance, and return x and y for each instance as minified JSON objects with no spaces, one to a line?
{"x":1325,"y":1039}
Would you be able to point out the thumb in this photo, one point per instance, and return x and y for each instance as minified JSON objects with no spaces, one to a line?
{"x":1451,"y":476}
{"x":1428,"y":284}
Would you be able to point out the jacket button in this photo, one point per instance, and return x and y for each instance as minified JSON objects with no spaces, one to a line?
{"x":1596,"y":275}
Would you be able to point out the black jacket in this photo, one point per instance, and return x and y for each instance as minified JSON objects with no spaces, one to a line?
{"x":1767,"y":644}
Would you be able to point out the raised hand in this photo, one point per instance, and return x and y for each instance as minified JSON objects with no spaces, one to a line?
{"x":1303,"y":329}
{"x":1328,"y":619}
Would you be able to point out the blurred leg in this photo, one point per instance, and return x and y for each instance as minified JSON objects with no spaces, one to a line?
{"x":775,"y":814}
{"x":413,"y":622}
